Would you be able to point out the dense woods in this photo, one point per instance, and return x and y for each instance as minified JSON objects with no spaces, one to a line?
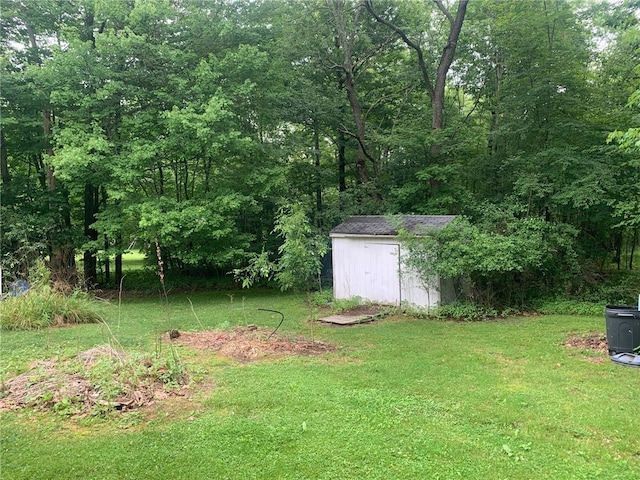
{"x":192,"y":123}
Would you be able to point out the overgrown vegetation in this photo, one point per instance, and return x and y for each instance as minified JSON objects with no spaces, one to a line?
{"x":95,"y":382}
{"x":199,"y":122}
{"x":503,"y":262}
{"x":43,"y":306}
{"x":298,"y":266}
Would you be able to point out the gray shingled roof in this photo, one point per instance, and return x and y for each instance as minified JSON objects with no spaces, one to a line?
{"x":381,"y":225}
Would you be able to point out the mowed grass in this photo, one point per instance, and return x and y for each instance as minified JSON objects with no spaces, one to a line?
{"x":403,"y":398}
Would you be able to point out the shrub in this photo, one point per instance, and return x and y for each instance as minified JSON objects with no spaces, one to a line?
{"x":504,"y":262}
{"x":466,"y":311}
{"x":569,"y":307}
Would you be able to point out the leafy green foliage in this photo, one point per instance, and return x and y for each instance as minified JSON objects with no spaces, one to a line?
{"x":191,"y":121}
{"x":196,"y":234}
{"x":465,"y":311}
{"x":301,"y":250}
{"x":41,"y":306}
{"x":569,"y":307}
{"x":502,"y":263}
{"x":298,"y":265}
{"x":259,"y":266}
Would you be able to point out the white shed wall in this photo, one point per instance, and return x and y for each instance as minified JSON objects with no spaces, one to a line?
{"x":369,"y":267}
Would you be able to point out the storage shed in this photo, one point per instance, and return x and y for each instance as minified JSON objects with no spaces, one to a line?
{"x":366,"y":257}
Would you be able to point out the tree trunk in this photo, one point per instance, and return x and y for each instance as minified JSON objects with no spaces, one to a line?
{"x":118,"y":260}
{"x":107,"y":259}
{"x":617,"y":248}
{"x":342,"y":163}
{"x":436,"y":90}
{"x":345,"y":41}
{"x":342,"y":141}
{"x":160,"y":187}
{"x":634,"y":242}
{"x":4,"y":167}
{"x":317,"y":175}
{"x":62,"y":260}
{"x":46,"y":127}
{"x":361,"y":158}
{"x":90,"y":210}
{"x":448,"y":54}
{"x":118,"y":265}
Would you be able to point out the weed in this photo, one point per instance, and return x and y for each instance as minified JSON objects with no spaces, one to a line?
{"x":41,"y":308}
{"x":342,"y":304}
{"x":322,"y":298}
{"x":464,"y":311}
{"x":569,"y":307}
{"x":67,"y":406}
{"x":173,"y":373}
{"x":194,"y":313}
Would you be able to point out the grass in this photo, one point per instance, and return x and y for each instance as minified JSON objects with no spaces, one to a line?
{"x":404,"y":398}
{"x":45,"y":307}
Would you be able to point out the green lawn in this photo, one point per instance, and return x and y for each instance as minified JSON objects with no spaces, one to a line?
{"x":402,"y":399}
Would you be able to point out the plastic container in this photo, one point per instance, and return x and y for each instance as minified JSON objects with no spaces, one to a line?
{"x":623,"y":328}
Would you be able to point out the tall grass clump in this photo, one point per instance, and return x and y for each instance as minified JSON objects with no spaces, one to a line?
{"x":41,"y":306}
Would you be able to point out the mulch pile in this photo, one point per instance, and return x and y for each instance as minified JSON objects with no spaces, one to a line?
{"x":49,"y":385}
{"x":595,"y":342}
{"x":248,"y":344}
{"x":53,"y":385}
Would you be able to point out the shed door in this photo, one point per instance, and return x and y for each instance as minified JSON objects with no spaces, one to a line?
{"x":382,"y":273}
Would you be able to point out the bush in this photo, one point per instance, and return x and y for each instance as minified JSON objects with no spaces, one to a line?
{"x":43,"y":307}
{"x":504,"y":262}
{"x":466,"y":311}
{"x":569,"y":307}
{"x":616,"y":288}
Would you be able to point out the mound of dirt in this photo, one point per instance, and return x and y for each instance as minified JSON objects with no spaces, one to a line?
{"x":45,"y":385}
{"x":65,"y":387}
{"x":594,"y":341}
{"x":248,"y":344}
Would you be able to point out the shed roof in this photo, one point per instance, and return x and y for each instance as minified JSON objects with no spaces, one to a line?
{"x":382,"y":225}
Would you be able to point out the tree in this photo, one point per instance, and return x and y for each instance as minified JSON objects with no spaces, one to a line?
{"x":298,"y":265}
{"x":30,"y":189}
{"x":435,"y":87}
{"x":627,"y":204}
{"x":191,"y":121}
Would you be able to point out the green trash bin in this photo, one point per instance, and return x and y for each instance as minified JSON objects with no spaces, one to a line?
{"x":623,"y":328}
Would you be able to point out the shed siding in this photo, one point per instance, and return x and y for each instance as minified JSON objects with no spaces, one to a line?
{"x":362,"y":266}
{"x":369,"y":267}
{"x":381,"y":273}
{"x":414,"y":292}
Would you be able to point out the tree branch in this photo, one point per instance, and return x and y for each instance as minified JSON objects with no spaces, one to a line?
{"x":360,"y":142}
{"x":423,"y":66}
{"x":444,"y":10}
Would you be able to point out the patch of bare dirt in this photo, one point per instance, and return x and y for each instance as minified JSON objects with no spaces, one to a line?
{"x":65,"y":387}
{"x":595,"y":342}
{"x":248,"y":344}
